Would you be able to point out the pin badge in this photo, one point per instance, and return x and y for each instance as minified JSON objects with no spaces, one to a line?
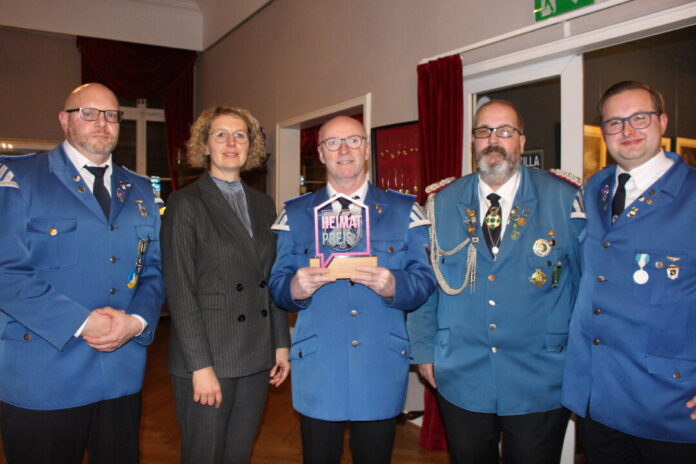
{"x":132,"y":280}
{"x":81,"y":189}
{"x":538,"y":278}
{"x":141,"y":208}
{"x":641,"y":276}
{"x":672,"y":271}
{"x":76,"y":178}
{"x":542,"y":248}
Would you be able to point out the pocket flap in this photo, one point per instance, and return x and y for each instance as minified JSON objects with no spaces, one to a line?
{"x":678,"y":369}
{"x":303,"y":348}
{"x":399,"y":345}
{"x":52,"y":226}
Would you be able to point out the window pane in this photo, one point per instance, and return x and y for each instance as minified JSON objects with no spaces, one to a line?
{"x":157,"y":164}
{"x":124,"y":154}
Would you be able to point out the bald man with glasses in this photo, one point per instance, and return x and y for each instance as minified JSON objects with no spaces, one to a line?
{"x":492,"y":338}
{"x":81,"y":292}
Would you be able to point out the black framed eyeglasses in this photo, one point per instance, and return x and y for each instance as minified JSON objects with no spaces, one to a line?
{"x":504,"y":132}
{"x":92,"y":114}
{"x":638,"y":121}
{"x":352,"y":141}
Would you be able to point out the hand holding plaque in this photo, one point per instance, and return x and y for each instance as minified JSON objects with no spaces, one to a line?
{"x":342,"y":236}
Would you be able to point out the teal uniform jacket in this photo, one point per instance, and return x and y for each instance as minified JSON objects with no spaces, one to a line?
{"x":632,"y":351}
{"x":499,"y":346}
{"x":60,"y":258}
{"x":350,"y":349}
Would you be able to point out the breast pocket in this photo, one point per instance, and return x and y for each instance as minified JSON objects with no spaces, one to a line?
{"x":660,"y":277}
{"x":547,"y":272}
{"x":54,"y":243}
{"x":390,"y":253}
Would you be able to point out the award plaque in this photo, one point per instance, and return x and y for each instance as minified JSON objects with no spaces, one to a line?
{"x":342,"y":236}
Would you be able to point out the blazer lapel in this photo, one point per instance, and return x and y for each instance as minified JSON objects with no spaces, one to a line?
{"x":121,"y":187}
{"x":469,"y":212}
{"x":60,"y":166}
{"x":215,"y":202}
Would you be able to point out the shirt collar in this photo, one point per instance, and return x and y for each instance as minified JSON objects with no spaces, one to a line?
{"x":361,"y":192}
{"x":507,"y":191}
{"x":647,"y":173}
{"x":80,"y":161}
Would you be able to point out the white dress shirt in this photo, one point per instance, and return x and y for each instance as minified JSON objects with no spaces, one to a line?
{"x":507,"y":193}
{"x":643,"y":176}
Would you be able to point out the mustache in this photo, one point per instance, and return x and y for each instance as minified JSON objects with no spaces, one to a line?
{"x":494,"y":149}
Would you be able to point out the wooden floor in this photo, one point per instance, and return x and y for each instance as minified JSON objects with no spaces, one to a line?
{"x":279,"y":438}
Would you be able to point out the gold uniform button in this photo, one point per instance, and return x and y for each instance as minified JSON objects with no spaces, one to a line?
{"x":677,"y":375}
{"x":595,"y":341}
{"x":391,"y":249}
{"x":491,"y":302}
{"x":354,"y":343}
{"x":494,"y":349}
{"x":605,"y":244}
{"x":112,"y":291}
{"x":27,"y":337}
{"x":597,"y":311}
{"x":112,"y":259}
{"x":492,"y":326}
{"x":601,"y":278}
{"x":52,"y":232}
{"x":491,"y":277}
{"x":659,"y":264}
{"x":404,"y":352}
{"x":354,"y":313}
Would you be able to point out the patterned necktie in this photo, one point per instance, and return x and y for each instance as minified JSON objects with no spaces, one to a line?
{"x":492,"y":224}
{"x":99,"y":190}
{"x":619,"y":202}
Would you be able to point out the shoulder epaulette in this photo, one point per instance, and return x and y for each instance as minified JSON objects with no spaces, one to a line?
{"x":281,"y":222}
{"x":7,"y":177}
{"x":439,"y":185}
{"x":407,"y":195}
{"x":566,"y":176}
{"x":417,"y":217}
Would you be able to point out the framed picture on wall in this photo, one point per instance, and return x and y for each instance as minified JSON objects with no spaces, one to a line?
{"x":397,"y":158}
{"x":687,"y":149}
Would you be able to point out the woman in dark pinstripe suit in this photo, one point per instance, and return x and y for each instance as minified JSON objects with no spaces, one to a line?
{"x":228,"y":340}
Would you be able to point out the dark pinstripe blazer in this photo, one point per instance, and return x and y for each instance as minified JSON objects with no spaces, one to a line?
{"x":215,"y":274}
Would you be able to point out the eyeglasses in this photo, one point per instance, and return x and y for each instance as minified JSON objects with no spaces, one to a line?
{"x":221,"y":136}
{"x":638,"y":121}
{"x":92,"y":114}
{"x":334,"y":143}
{"x":504,"y":132}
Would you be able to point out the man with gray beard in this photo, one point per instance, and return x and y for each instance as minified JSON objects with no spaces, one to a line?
{"x":491,"y":340}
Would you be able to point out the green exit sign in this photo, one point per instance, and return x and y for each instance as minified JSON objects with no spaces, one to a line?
{"x":544,"y":9}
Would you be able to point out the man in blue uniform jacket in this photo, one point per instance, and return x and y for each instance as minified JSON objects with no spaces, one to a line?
{"x":631,"y":370}
{"x":492,"y":339}
{"x":81,"y":292}
{"x":350,"y":350}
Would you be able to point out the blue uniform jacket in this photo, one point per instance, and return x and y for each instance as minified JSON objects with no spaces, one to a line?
{"x":350,"y":348}
{"x":632,"y":351}
{"x":59,"y":259}
{"x":499,"y":347}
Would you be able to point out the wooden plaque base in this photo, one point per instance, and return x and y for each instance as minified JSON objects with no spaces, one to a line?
{"x":342,"y":267}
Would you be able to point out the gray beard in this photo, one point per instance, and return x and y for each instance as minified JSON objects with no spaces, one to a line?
{"x":499,"y":173}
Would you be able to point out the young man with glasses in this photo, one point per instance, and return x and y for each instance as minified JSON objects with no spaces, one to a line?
{"x":631,"y":368}
{"x":81,"y":293}
{"x":350,"y":350}
{"x":492,"y":339}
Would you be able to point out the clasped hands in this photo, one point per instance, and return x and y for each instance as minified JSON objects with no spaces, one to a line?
{"x":107,"y":328}
{"x":308,"y":280}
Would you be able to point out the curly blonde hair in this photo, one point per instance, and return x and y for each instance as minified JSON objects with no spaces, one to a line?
{"x":196,"y":145}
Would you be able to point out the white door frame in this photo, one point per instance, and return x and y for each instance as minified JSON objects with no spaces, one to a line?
{"x":562,"y":58}
{"x":287,"y":166}
{"x":569,"y":69}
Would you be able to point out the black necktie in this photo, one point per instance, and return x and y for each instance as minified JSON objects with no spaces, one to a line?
{"x":345,"y":203}
{"x":99,"y":190}
{"x":619,"y":202}
{"x":492,"y":223}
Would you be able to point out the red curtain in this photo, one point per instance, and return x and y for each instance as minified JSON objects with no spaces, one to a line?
{"x":441,"y":116}
{"x":440,"y":112}
{"x":142,"y":71}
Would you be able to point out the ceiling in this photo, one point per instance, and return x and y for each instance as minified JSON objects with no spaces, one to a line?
{"x":188,"y":24}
